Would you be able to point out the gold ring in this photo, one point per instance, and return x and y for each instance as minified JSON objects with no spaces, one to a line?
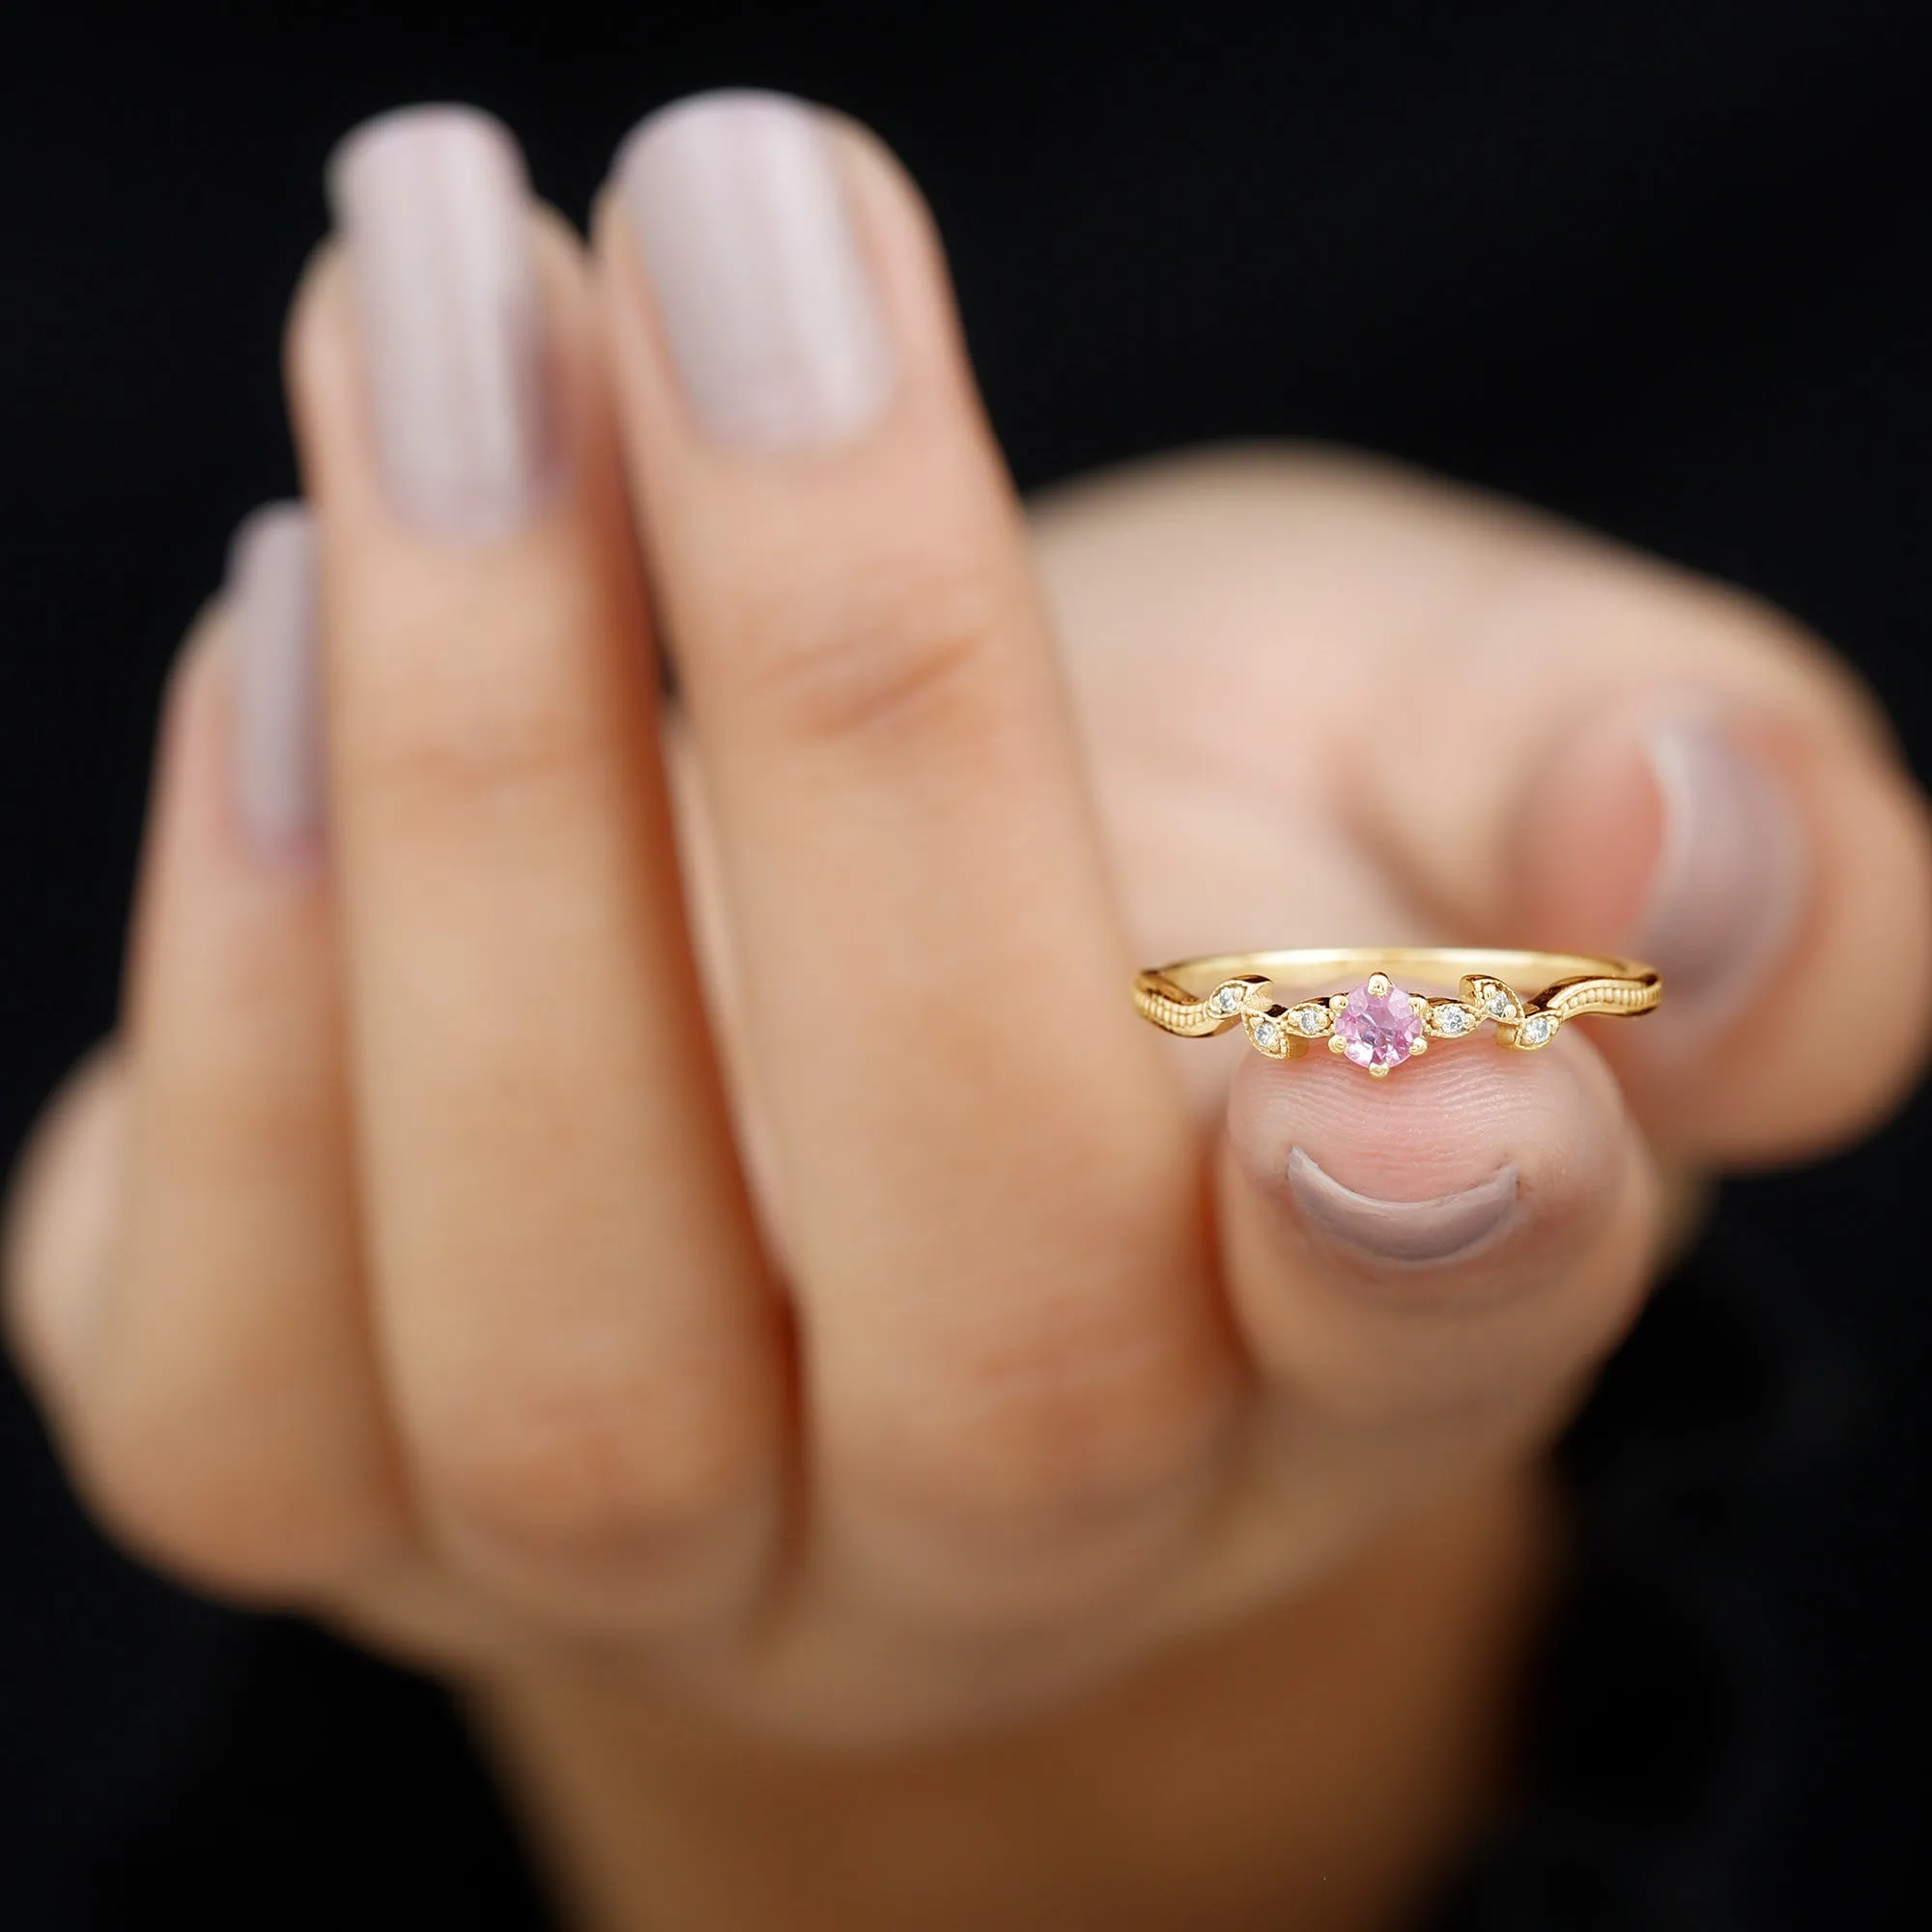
{"x":1286,"y":1000}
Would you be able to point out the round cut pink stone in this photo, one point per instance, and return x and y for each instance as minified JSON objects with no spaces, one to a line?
{"x":1378,"y":1029}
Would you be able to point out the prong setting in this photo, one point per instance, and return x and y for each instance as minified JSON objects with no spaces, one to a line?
{"x":1378,"y":1025}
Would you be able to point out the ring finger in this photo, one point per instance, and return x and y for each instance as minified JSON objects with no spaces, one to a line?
{"x":587,"y":1373}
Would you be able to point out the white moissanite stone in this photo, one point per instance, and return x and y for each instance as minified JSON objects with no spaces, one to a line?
{"x":1497,"y":1001}
{"x":1265,"y":1036}
{"x":1225,"y":1000}
{"x":1453,"y":1020}
{"x":1536,"y":1028}
{"x":1310,"y":1019}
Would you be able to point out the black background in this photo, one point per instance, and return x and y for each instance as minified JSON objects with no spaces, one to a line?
{"x":1659,"y":267}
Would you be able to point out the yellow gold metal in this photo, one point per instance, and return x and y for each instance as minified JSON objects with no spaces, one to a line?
{"x":1526,"y":997}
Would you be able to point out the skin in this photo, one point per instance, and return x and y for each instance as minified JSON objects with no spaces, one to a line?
{"x":901,"y":1454}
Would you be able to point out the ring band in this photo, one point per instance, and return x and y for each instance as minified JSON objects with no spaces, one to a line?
{"x":1379,"y":1024}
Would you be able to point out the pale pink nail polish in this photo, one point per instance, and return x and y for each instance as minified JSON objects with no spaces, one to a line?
{"x":1409,"y":1233}
{"x":1729,"y":880}
{"x":760,"y":279}
{"x":434,"y":207}
{"x":271,"y":591}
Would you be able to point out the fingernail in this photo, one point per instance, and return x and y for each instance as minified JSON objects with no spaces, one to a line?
{"x":271,"y":588}
{"x":1729,"y":876}
{"x":1408,"y":1232}
{"x":760,"y":279}
{"x":435,"y":208}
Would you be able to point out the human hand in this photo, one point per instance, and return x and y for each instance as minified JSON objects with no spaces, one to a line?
{"x":865,"y":1336}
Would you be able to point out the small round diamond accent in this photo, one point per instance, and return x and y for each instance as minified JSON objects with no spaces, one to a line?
{"x":1453,"y":1020}
{"x":1536,"y":1030}
{"x":1225,"y":1000}
{"x":1310,"y":1019}
{"x":1498,"y":1003}
{"x":1267,"y":1036}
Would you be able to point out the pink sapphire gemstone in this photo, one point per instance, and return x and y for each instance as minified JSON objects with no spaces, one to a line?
{"x":1378,"y":1029}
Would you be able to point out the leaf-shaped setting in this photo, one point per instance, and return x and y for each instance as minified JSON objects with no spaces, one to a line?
{"x":1493,"y":998}
{"x":1312,"y":1019}
{"x":1271,"y":1033}
{"x":1535,"y":1029}
{"x":1232,"y":998}
{"x":1450,"y":1019}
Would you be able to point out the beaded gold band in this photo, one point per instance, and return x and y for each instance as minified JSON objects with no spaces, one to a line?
{"x":1286,"y":1000}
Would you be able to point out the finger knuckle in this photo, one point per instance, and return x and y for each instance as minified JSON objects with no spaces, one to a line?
{"x":614,"y":1480}
{"x":442,"y":755}
{"x":451,"y":695}
{"x":905,"y":648}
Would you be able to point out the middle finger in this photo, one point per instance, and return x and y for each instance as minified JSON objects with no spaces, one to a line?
{"x":987,"y":1182}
